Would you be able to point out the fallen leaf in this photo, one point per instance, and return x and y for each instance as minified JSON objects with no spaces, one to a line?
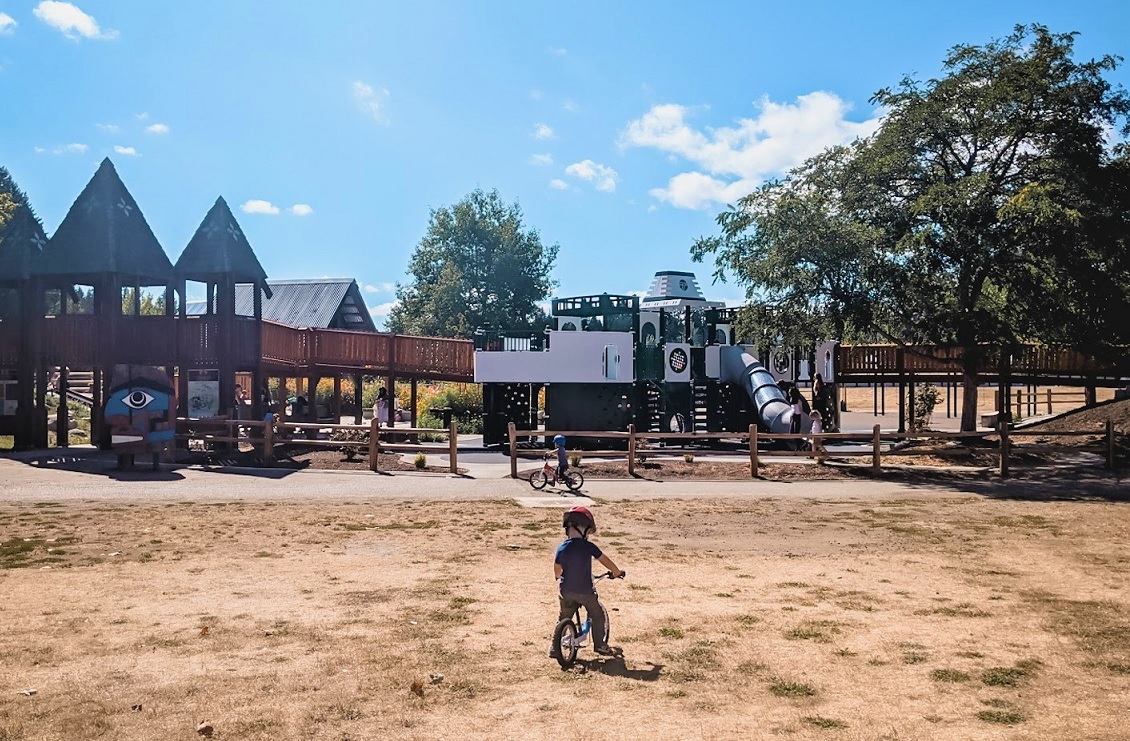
{"x":418,"y":688}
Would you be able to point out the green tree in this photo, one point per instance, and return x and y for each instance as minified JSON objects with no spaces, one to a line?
{"x":987,"y":208}
{"x":476,"y":265}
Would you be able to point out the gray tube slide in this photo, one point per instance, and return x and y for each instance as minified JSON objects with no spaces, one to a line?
{"x":773,"y":410}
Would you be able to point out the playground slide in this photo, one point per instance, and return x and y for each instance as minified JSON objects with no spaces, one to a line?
{"x":738,"y":366}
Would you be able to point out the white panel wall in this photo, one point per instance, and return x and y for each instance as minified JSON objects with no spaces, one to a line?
{"x":573,"y":357}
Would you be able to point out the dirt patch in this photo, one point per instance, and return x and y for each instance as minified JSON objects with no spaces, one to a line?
{"x":926,"y":616}
{"x":299,"y":457}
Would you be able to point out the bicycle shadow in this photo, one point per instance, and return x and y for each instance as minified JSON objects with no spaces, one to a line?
{"x":615,"y":666}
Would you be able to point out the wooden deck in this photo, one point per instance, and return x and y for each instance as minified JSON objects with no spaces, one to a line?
{"x":84,"y":341}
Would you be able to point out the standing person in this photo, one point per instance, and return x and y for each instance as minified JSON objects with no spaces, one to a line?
{"x":817,"y":442}
{"x":240,"y":398}
{"x":572,"y":567}
{"x":798,"y":409}
{"x":380,"y":406}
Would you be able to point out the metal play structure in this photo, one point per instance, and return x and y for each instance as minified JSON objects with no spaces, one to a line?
{"x":664,"y":363}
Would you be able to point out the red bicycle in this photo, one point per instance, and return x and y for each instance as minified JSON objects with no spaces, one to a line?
{"x":547,"y":475}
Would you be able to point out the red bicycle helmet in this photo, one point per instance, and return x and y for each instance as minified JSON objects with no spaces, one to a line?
{"x":580,"y":518}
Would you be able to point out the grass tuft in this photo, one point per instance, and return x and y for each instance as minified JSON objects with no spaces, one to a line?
{"x":785,"y":688}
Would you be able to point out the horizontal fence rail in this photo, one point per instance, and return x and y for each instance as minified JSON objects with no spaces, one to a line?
{"x":1023,"y":360}
{"x":269,"y":435}
{"x":817,"y":450}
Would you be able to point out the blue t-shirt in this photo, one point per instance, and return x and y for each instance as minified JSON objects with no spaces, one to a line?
{"x":562,"y":460}
{"x":575,"y":556}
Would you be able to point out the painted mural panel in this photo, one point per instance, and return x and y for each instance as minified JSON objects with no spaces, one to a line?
{"x":140,"y":410}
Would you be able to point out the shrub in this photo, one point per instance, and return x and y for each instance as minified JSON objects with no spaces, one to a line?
{"x":421,"y":460}
{"x":688,"y":457}
{"x":925,"y":400}
{"x":575,"y":460}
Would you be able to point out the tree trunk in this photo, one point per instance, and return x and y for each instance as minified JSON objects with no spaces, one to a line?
{"x":969,"y":402}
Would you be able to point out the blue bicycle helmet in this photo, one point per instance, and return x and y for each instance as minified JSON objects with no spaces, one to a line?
{"x":559,"y":440}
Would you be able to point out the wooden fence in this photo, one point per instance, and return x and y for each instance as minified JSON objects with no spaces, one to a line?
{"x":268,"y":436}
{"x":753,"y":438}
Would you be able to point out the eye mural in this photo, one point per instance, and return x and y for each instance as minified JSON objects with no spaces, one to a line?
{"x":140,"y":410}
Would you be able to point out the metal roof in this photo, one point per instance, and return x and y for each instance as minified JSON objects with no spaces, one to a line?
{"x":321,"y":304}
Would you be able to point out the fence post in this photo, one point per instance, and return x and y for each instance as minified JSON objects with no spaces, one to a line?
{"x":1002,"y":427}
{"x":513,"y":450}
{"x":374,"y":444}
{"x":1110,"y":443}
{"x":876,"y":464}
{"x":1049,"y":401}
{"x":631,"y":450}
{"x":753,"y":451}
{"x":453,"y":439}
{"x":268,"y":441}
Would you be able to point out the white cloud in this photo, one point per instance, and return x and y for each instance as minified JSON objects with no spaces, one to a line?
{"x":64,"y":149}
{"x":558,"y":51}
{"x":256,"y":206}
{"x":570,"y":105}
{"x":536,"y":94}
{"x":382,"y":310}
{"x":558,"y":184}
{"x":301,"y":209}
{"x":541,"y":159}
{"x":7,"y":24}
{"x":142,"y":116}
{"x":127,"y":151}
{"x":73,"y":23}
{"x":157,"y":128}
{"x":732,"y":162}
{"x":380,"y":288}
{"x":604,"y":177}
{"x":108,"y":128}
{"x":543,"y":131}
{"x":371,"y":101}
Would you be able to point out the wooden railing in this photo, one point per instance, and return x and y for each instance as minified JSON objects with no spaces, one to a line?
{"x":1026,"y":360}
{"x":268,"y":436}
{"x":81,"y":341}
{"x":1006,"y":443}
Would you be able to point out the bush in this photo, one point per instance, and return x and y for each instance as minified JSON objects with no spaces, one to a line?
{"x":575,"y":459}
{"x":688,"y":457}
{"x":421,"y":460}
{"x":925,"y":400}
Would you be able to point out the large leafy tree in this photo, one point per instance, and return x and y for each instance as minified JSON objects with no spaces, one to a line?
{"x":477,"y":264}
{"x":988,"y":207}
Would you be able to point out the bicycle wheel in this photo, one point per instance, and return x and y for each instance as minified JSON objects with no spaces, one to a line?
{"x":538,"y":479}
{"x":565,"y":641}
{"x":574,"y":480}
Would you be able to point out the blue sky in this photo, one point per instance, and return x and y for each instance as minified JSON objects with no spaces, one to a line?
{"x":622,"y":128}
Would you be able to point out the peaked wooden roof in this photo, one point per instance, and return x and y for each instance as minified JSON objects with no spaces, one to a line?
{"x":219,"y":249}
{"x":21,"y":246}
{"x":106,"y":233}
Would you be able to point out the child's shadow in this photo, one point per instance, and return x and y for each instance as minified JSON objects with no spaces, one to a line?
{"x":614,"y":666}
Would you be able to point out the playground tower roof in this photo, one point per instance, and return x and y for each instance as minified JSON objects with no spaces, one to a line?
{"x":21,"y":246}
{"x":219,"y":250}
{"x":326,"y":303}
{"x":675,"y":289}
{"x":105,"y":233}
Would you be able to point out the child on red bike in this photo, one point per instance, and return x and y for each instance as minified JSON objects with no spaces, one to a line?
{"x":572,"y":565}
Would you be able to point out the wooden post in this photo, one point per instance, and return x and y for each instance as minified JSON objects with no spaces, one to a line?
{"x":63,"y":430}
{"x":1002,"y":428}
{"x":876,"y":465}
{"x":753,"y":451}
{"x":374,"y":444}
{"x":1049,"y":401}
{"x":1110,"y":443}
{"x":513,"y":451}
{"x":268,"y":441}
{"x":631,"y":450}
{"x":900,"y":361}
{"x":453,"y":440}
{"x":337,"y":399}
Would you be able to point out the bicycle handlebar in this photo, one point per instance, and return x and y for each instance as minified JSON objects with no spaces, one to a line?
{"x":608,"y":575}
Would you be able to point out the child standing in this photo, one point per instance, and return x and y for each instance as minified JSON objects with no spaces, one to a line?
{"x":817,"y":442}
{"x":572,"y":566}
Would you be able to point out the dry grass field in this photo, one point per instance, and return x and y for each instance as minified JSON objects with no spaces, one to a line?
{"x":934,"y":616}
